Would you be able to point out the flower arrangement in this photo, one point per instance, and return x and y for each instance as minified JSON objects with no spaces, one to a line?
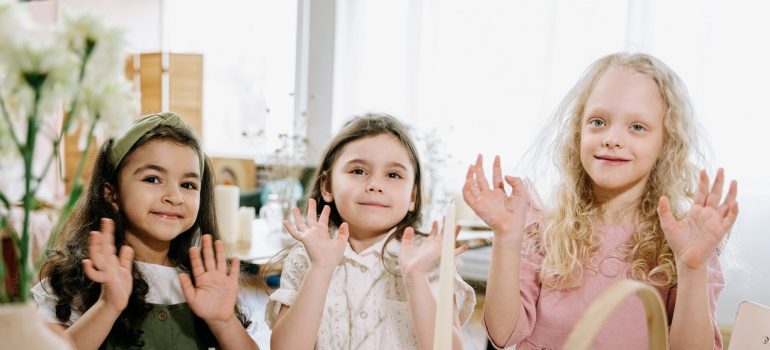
{"x":54,"y":81}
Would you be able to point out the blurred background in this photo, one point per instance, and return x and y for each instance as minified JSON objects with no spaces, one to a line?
{"x":268,"y":82}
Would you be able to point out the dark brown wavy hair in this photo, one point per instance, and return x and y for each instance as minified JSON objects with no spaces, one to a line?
{"x":63,"y":267}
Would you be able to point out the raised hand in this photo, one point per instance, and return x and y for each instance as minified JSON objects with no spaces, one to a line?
{"x":215,"y":291}
{"x":415,"y":259}
{"x":313,"y":232}
{"x":112,"y":271}
{"x":504,"y":213}
{"x":694,"y":237}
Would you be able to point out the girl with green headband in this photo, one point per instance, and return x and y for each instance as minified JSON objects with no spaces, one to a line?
{"x":113,"y":280}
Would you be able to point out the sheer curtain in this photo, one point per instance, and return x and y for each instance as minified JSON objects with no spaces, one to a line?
{"x":484,"y":76}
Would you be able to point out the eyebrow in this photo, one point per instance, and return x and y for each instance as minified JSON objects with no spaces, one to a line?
{"x":391,"y":164}
{"x":163,"y":170}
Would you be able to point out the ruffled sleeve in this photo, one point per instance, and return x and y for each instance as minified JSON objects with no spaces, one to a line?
{"x":46,"y":304}
{"x":294,"y":269}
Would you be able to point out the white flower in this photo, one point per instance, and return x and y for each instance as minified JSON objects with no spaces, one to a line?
{"x":12,"y":23}
{"x":49,"y":67}
{"x":85,"y":36}
{"x":113,"y":103}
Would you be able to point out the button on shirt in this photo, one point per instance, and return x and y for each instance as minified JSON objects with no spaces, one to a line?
{"x":366,"y":305}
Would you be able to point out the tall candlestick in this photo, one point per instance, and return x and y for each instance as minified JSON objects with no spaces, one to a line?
{"x":226,"y":201}
{"x":442,"y":338}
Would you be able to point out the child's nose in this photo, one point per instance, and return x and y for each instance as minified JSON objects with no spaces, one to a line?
{"x":173,"y":196}
{"x":612,"y":139}
{"x":374,"y":186}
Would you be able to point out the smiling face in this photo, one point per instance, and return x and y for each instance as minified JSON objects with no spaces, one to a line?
{"x":621,"y":131}
{"x":158,"y":192}
{"x":372,"y":185}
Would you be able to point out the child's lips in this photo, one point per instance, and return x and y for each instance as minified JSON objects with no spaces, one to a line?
{"x":167,"y":215}
{"x":374,"y":204}
{"x":611,"y":159}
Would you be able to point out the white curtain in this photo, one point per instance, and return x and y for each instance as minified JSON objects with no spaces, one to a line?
{"x":484,"y":76}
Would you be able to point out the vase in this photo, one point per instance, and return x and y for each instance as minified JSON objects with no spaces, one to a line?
{"x":22,"y":328}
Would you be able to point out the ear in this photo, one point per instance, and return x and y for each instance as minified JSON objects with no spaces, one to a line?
{"x":111,"y":196}
{"x":326,"y":192}
{"x":414,"y":200}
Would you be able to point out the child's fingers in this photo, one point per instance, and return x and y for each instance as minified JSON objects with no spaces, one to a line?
{"x":461,"y":249}
{"x":664,"y":213}
{"x":299,"y":222}
{"x":458,"y":228}
{"x":196,"y":264}
{"x":517,"y":186}
{"x":91,"y":272}
{"x":344,"y":232}
{"x":107,"y":228}
{"x":406,"y":239}
{"x":434,"y":228}
{"x":208,"y":254}
{"x":126,"y":257}
{"x":188,"y":289}
{"x":700,"y":193}
{"x":290,"y":228}
{"x":481,"y":180}
{"x":324,"y":219}
{"x":731,"y":216}
{"x":96,"y":247}
{"x":732,"y":193}
{"x":312,"y":212}
{"x":497,"y":173}
{"x":219,"y":250}
{"x":470,"y":191}
{"x":716,"y":190}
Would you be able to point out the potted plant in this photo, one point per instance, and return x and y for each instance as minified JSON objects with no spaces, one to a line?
{"x":53,"y":81}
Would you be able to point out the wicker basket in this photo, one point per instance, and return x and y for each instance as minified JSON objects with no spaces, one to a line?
{"x":586,"y":328}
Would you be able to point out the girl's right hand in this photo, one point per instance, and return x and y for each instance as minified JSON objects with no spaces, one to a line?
{"x":112,"y":271}
{"x":505,"y":214}
{"x":323,"y":250}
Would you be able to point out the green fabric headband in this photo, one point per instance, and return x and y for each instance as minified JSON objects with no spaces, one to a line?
{"x":143,"y":125}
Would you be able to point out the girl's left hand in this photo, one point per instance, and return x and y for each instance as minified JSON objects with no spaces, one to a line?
{"x":215,"y":291}
{"x":418,"y":260}
{"x":694,"y":238}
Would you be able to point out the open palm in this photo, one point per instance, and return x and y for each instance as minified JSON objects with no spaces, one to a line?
{"x":694,"y":238}
{"x":313,"y":232}
{"x":421,"y":258}
{"x":504,"y":213}
{"x":215,"y":291}
{"x":112,"y":271}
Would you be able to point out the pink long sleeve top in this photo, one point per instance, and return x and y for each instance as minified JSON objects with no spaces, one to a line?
{"x":547,"y":315}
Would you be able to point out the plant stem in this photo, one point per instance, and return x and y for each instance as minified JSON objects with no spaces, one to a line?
{"x":29,"y":151}
{"x":77,"y":189}
{"x":7,"y":117}
{"x":68,"y":115}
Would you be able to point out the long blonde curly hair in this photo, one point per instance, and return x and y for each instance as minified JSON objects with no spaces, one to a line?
{"x":569,"y":237}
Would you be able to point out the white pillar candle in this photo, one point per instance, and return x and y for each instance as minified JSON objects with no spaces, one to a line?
{"x":226,"y":201}
{"x":442,"y":337}
{"x":246,"y":217}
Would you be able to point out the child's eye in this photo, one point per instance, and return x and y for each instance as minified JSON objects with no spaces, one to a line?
{"x":152,"y":179}
{"x":190,"y":185}
{"x":596,"y":122}
{"x":394,"y":175}
{"x":638,"y":127}
{"x":358,"y":171}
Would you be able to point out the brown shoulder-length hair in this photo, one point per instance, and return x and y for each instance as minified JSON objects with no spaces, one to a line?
{"x":63,"y":267}
{"x":368,"y":125}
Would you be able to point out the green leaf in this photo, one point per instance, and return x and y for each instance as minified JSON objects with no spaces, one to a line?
{"x":6,"y":202}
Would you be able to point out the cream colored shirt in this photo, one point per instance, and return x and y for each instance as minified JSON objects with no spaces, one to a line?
{"x":366,"y":305}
